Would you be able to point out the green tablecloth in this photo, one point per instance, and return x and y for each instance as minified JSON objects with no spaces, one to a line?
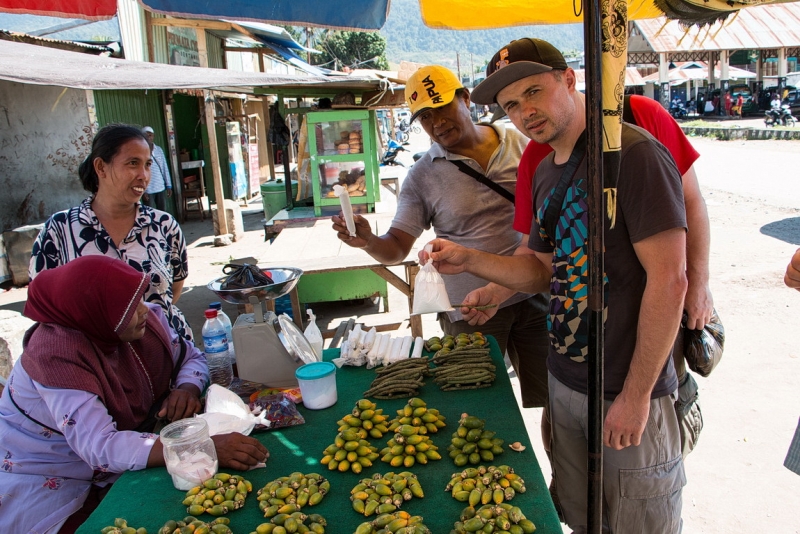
{"x":148,"y":499}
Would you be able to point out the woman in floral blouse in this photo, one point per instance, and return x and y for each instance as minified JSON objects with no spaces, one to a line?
{"x":95,"y":365}
{"x":113,"y":222}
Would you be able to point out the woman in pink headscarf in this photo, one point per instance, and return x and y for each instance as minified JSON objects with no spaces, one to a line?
{"x":95,"y":368}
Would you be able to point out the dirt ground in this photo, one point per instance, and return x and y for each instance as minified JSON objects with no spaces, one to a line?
{"x":736,"y":478}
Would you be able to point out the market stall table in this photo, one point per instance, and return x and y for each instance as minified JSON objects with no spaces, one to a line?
{"x":148,"y":499}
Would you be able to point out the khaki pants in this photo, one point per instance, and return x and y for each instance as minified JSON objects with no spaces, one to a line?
{"x":642,"y":485}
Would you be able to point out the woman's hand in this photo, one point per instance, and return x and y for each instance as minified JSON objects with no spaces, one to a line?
{"x":240,"y":452}
{"x":182,"y":402}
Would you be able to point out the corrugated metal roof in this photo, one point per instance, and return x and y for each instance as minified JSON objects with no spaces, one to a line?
{"x":761,"y":27}
{"x":55,"y":43}
{"x":698,"y":70}
{"x":25,"y":63}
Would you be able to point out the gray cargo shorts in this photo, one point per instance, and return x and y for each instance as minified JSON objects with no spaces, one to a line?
{"x":642,"y":485}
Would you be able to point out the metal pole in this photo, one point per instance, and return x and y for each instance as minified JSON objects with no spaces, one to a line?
{"x":471,"y":71}
{"x":458,"y":67}
{"x":594,"y":151}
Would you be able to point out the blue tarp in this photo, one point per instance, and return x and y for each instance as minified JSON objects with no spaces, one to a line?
{"x":339,"y":14}
{"x":293,"y":58}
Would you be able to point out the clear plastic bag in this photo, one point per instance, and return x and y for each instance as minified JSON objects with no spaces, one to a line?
{"x":278,"y":409}
{"x":313,"y":334}
{"x":430,"y":294}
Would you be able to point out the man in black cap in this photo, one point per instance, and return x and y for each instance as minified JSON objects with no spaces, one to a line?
{"x":645,"y":283}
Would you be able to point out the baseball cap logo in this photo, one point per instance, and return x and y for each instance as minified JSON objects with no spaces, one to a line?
{"x":503,"y":59}
{"x":414,"y":96}
{"x":430,"y":87}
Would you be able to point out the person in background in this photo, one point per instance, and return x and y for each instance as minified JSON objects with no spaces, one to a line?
{"x":728,"y":104}
{"x":97,"y":367}
{"x":792,"y":279}
{"x":438,"y":193}
{"x":645,"y":285}
{"x":160,"y":186}
{"x":739,"y":105}
{"x":113,"y":222}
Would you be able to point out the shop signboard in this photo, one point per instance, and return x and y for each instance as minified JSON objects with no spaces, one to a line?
{"x":182,"y":47}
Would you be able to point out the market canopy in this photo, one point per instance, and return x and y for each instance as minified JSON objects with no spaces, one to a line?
{"x":26,"y":63}
{"x":372,"y":14}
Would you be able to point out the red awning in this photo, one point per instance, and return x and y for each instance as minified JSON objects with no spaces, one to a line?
{"x":72,"y":9}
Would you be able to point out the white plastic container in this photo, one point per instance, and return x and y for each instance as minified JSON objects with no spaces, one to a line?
{"x":317,"y":384}
{"x":189,"y":452}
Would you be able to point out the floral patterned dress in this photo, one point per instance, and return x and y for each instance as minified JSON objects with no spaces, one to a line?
{"x":155,"y":245}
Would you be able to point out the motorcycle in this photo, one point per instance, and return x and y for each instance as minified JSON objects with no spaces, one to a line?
{"x":678,"y":111}
{"x":779,"y":117}
{"x":402,"y":129}
{"x":393,"y":148}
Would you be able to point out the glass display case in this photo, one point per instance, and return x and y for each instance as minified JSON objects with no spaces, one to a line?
{"x":342,"y":145}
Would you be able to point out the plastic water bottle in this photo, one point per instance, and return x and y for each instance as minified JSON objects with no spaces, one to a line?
{"x":226,"y":322}
{"x":215,"y":342}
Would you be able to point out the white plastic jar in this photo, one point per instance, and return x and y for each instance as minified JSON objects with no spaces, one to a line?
{"x":189,"y":452}
{"x":317,"y":384}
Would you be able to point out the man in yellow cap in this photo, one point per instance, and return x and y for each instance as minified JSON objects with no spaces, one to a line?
{"x":463,"y":187}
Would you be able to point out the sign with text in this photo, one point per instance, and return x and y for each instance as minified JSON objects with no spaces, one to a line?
{"x":182,"y":47}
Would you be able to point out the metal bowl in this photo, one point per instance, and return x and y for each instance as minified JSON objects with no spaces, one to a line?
{"x":285,"y":279}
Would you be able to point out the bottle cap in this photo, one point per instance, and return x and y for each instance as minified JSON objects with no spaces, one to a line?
{"x":210,"y":314}
{"x":215,"y":306}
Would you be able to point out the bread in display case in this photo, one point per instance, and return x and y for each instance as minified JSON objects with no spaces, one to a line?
{"x":343,"y":152}
{"x":349,"y":174}
{"x":339,"y":137}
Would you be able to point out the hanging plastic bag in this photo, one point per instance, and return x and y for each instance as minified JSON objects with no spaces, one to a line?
{"x":703,"y":348}
{"x":313,"y":334}
{"x":430,"y":294}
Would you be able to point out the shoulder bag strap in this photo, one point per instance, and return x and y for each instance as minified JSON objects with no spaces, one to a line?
{"x":466,"y":169}
{"x":557,"y":197}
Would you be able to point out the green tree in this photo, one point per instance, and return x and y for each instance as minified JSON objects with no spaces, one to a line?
{"x":365,"y":50}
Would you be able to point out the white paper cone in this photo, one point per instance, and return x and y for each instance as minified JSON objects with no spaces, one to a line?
{"x":347,"y":208}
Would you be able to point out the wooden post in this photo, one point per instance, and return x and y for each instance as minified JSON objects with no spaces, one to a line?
{"x":415,"y":321}
{"x":172,"y":146}
{"x":270,"y":154}
{"x":210,"y":114}
{"x":148,"y":28}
